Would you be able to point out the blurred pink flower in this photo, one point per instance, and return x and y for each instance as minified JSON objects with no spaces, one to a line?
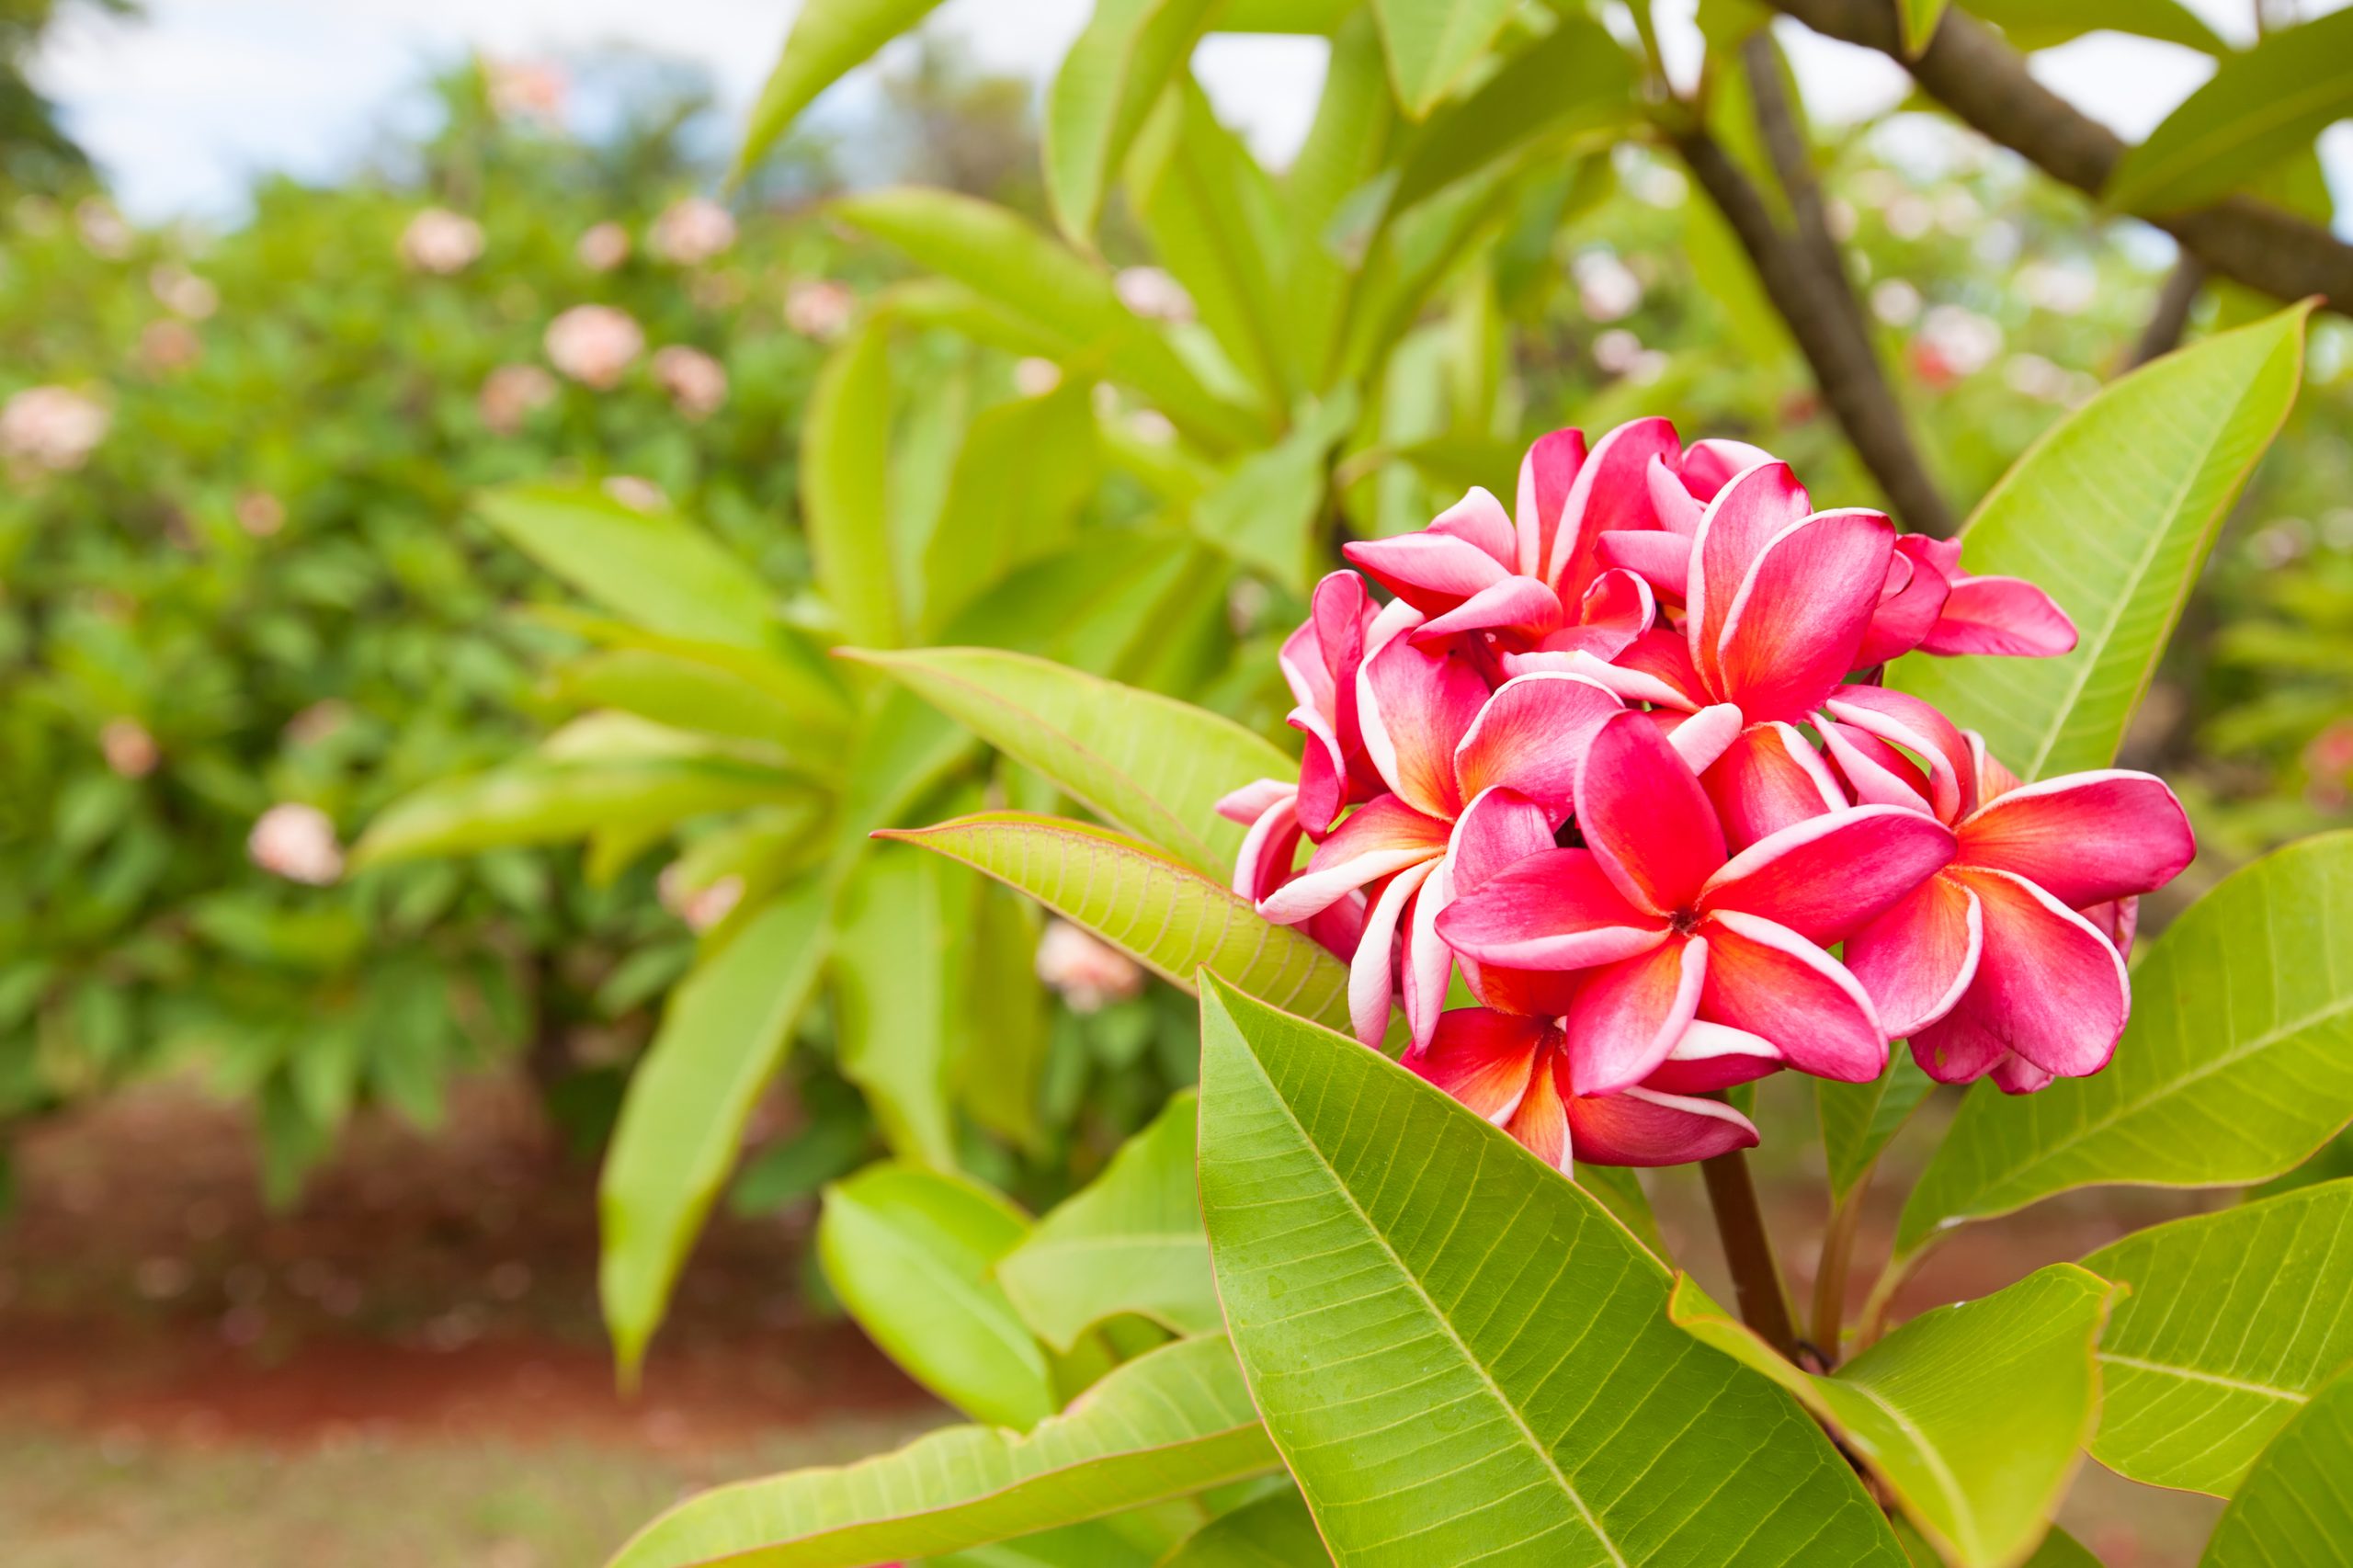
{"x":296,"y":842}
{"x":102,"y":228}
{"x":701,"y":908}
{"x":1152,"y":294}
{"x":603,"y":246}
{"x":1090,"y":974}
{"x":696,"y":381}
{"x":691,"y":232}
{"x":168,"y":345}
{"x":182,"y":292}
{"x":51,"y":427}
{"x":594,"y":344}
{"x":438,"y":240}
{"x":129,"y":749}
{"x":818,"y":308}
{"x":260,"y":514}
{"x":527,"y":89}
{"x":511,"y":392}
{"x":637,"y":494}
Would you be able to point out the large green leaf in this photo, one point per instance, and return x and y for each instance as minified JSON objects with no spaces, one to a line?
{"x":690,"y":693}
{"x":828,"y":38}
{"x":1007,"y":1024}
{"x":655,"y":568}
{"x":2296,"y":1509}
{"x":1131,"y":1242}
{"x":1049,"y":290}
{"x":1173,"y":920}
{"x":1013,"y":496}
{"x":1462,"y":1356}
{"x":2237,"y":1064}
{"x":543,"y":801}
{"x":1858,"y":1119}
{"x":1273,"y":1532}
{"x":892,"y":965}
{"x":2045,"y":24}
{"x":1432,"y":43}
{"x":1345,"y":148}
{"x":908,"y":1250}
{"x":1973,"y":1415}
{"x":845,"y":486}
{"x":2257,"y":108}
{"x":791,"y":671}
{"x":1149,"y":763}
{"x":2112,"y":513}
{"x":1265,"y":511}
{"x":1103,"y":92}
{"x":1168,"y":1423}
{"x":724,"y":1031}
{"x":2234,"y":1320}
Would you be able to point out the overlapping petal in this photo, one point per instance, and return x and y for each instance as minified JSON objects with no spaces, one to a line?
{"x":1768,"y":981}
{"x":1829,"y":876}
{"x":2048,"y":987}
{"x":1915,"y":960}
{"x":1627,"y":1016}
{"x":1531,"y":737}
{"x":1767,"y":779}
{"x":1414,"y":706}
{"x":2084,"y":839}
{"x":1795,"y":626}
{"x":1644,"y":816}
{"x":1644,"y":1126}
{"x":1555,"y":909}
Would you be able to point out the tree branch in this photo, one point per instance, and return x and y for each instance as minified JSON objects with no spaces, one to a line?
{"x":1749,"y":1252}
{"x":1807,"y":283}
{"x":2162,"y":335}
{"x":1968,"y":68}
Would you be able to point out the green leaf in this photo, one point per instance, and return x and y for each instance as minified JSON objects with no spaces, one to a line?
{"x":688,"y":693}
{"x":1013,"y":496}
{"x":2257,"y":108}
{"x":1131,"y":1242}
{"x":1101,"y":95}
{"x":1432,"y":42}
{"x":2234,"y":1320}
{"x":2237,"y":1064}
{"x":1344,"y":148}
{"x":1462,"y":1356}
{"x":539,"y":801}
{"x":1170,"y":918}
{"x":1858,"y":1119}
{"x":845,"y":486}
{"x":1146,"y":763}
{"x":655,"y":568}
{"x":723,"y":1031}
{"x":1973,"y":1415}
{"x":1310,"y":16}
{"x":1169,"y":1423}
{"x":1049,"y":290}
{"x":791,"y":670}
{"x":828,"y":38}
{"x":2296,"y":1509}
{"x":2112,"y":513}
{"x":2030,"y":25}
{"x":1273,"y":1532}
{"x":1008,"y":1026}
{"x":891,"y":968}
{"x":1264,"y":512}
{"x":908,"y":1250}
{"x":1920,"y":19}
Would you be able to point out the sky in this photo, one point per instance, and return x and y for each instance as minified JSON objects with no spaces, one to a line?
{"x":184,"y":108}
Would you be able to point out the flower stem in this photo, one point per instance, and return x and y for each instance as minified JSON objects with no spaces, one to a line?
{"x":1748,"y":1251}
{"x":1830,"y":1278}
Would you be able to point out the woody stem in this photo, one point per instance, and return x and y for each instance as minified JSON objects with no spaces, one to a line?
{"x":1748,"y":1251}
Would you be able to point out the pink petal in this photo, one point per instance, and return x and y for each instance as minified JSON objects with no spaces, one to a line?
{"x":1609,"y":492}
{"x":1498,"y":830}
{"x":1642,"y":673}
{"x":1699,"y":738}
{"x":1673,"y":504}
{"x":1305,"y":671}
{"x":1414,"y":706}
{"x":1714,"y":1056}
{"x":1554,"y":910}
{"x":1480,"y":519}
{"x":1711,"y":464}
{"x":1955,"y":1056}
{"x":1661,"y":559}
{"x":1629,"y":1015}
{"x":1829,"y":876}
{"x":1915,"y":960}
{"x":1994,"y":780}
{"x":2000,"y":615}
{"x":1268,"y":849}
{"x":2116,"y":919}
{"x":1644,"y":816}
{"x":1771,"y":981}
{"x":1875,"y":772}
{"x":1904,"y":719}
{"x":1518,"y":604}
{"x":1482,"y":1058}
{"x":1769,"y":778}
{"x":2049,"y":985}
{"x":1468,"y":548}
{"x":1909,"y":603}
{"x":1370,"y":973}
{"x":1247,"y":804}
{"x":1792,"y":632}
{"x":2085,"y":838}
{"x":1338,"y":927}
{"x":1379,"y":839}
{"x":1426,"y":964}
{"x":1325,"y":784}
{"x":1642,"y":1127}
{"x":1752,"y":509}
{"x":1541,"y":1122}
{"x":1619,"y":605}
{"x":1545,"y":475}
{"x":1534,"y":992}
{"x":2014,"y":1075}
{"x":1531,"y":736}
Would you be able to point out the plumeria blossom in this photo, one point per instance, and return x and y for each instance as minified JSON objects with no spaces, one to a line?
{"x":2009,"y":961}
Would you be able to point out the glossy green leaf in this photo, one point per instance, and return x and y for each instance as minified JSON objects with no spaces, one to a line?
{"x":1432,"y":43}
{"x":2112,"y":513}
{"x":723,"y":1031}
{"x":1264,"y":512}
{"x":1013,"y":496}
{"x":828,"y":38}
{"x":1920,"y":19}
{"x":1462,"y":1356}
{"x":1575,"y":78}
{"x":1172,"y":919}
{"x":2044,"y":24}
{"x":2296,"y":1508}
{"x":1104,"y":89}
{"x":1168,"y":1423}
{"x":2258,"y":107}
{"x":655,"y":568}
{"x":1971,"y":1415}
{"x":1344,"y":148}
{"x":1049,"y":290}
{"x":543,"y":801}
{"x":890,"y":971}
{"x":1146,"y":763}
{"x":909,"y":1250}
{"x":688,"y":693}
{"x":2234,"y":1320}
{"x":1273,"y":1532}
{"x":1858,"y":1119}
{"x":2237,"y":1064}
{"x":844,"y":487}
{"x":1131,"y":1242}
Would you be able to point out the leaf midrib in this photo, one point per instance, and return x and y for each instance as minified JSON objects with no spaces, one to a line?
{"x":1956,"y":1499}
{"x":2192,"y":1374}
{"x":1444,"y":1323}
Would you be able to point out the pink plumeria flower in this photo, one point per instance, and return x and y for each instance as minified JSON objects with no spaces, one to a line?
{"x":1533,"y":579}
{"x":1520,"y":1074}
{"x":2009,"y":961}
{"x":1672,"y":927}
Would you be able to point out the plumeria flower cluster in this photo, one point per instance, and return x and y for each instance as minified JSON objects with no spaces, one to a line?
{"x":1619,"y":762}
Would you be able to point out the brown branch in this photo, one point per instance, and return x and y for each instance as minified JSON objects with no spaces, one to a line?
{"x":1749,"y":1252}
{"x":1812,"y":294}
{"x":2162,"y":335}
{"x":1972,"y":71}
